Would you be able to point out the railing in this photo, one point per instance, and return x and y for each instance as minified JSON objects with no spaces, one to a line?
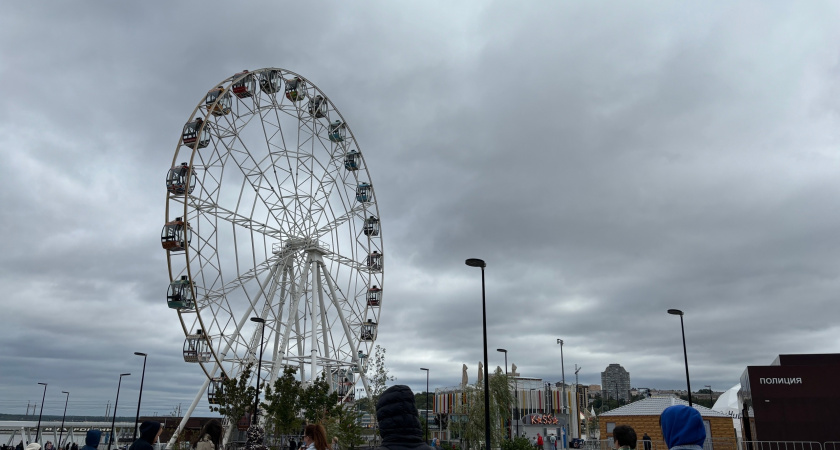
{"x":785,"y":445}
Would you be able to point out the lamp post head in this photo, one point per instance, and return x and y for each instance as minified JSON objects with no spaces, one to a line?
{"x":560,"y":341}
{"x":257,"y":319}
{"x":124,"y":374}
{"x":675,"y":312}
{"x":140,"y":354}
{"x":43,"y":384}
{"x":475,"y":262}
{"x":501,"y":350}
{"x":65,"y":392}
{"x":423,"y":368}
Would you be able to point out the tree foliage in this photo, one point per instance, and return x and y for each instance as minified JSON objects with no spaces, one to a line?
{"x":282,"y":404}
{"x":378,"y":378}
{"x":471,"y":420}
{"x":236,"y":396}
{"x":343,"y":423}
{"x":317,"y":401}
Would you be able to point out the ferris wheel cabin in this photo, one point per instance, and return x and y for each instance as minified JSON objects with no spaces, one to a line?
{"x":363,"y":192}
{"x":337,"y":131}
{"x":318,"y":107}
{"x":295,"y":89}
{"x":218,"y":102}
{"x":270,"y":81}
{"x":176,"y":235}
{"x":374,"y":296}
{"x":371,"y":227}
{"x":215,"y":390}
{"x":369,"y":331}
{"x":180,"y":294}
{"x":194,"y":135}
{"x":176,"y":180}
{"x":374,"y":261}
{"x":352,"y":159}
{"x":196,"y":348}
{"x":246,"y":86}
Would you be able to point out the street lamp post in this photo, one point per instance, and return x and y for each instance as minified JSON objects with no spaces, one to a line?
{"x":475,"y":262}
{"x":510,"y":423}
{"x":114,"y":420}
{"x":259,"y":367}
{"x":563,"y":375}
{"x":677,"y":312}
{"x":427,"y":401}
{"x":38,"y":430}
{"x":61,"y":432}
{"x":140,"y":398}
{"x":711,"y":398}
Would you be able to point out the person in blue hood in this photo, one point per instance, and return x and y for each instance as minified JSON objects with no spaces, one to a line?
{"x":92,"y":439}
{"x":682,"y":428}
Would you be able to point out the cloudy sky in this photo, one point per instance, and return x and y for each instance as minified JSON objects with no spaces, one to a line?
{"x":609,"y":161}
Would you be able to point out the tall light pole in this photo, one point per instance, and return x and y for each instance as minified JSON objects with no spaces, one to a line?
{"x":114,"y":420}
{"x":427,"y":401}
{"x":677,"y":312}
{"x":510,"y":424}
{"x":577,"y":398}
{"x":711,"y":398}
{"x":140,"y":398}
{"x":259,"y":367}
{"x":38,"y":430}
{"x":61,"y":432}
{"x":475,"y":262}
{"x":563,"y":375}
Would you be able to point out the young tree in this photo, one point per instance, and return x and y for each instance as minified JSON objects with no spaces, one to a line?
{"x":471,"y":427}
{"x":317,"y":401}
{"x":378,"y":378}
{"x":282,"y":403}
{"x":236,"y":397}
{"x":344,"y":424}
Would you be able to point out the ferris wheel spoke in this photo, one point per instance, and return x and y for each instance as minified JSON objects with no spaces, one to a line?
{"x":215,"y":210}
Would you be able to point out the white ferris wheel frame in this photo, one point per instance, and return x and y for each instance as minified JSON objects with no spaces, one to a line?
{"x":299,"y":240}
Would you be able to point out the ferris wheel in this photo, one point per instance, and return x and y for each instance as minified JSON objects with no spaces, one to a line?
{"x":272,"y":236}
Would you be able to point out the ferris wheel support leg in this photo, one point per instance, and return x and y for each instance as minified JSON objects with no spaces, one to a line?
{"x":275,"y":367}
{"x":324,"y":331}
{"x":314,"y":315}
{"x":189,"y":412}
{"x":347,"y":332}
{"x":295,"y":294}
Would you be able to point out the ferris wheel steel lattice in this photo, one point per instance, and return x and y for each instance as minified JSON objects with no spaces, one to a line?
{"x":271,"y":213}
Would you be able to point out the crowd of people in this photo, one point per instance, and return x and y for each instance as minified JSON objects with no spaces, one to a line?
{"x":399,"y":427}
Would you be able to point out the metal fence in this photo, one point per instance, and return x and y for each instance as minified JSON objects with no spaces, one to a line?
{"x":724,"y":444}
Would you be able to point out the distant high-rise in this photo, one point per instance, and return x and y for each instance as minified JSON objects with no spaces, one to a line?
{"x":615,"y":383}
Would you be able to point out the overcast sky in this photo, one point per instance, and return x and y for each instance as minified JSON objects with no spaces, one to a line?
{"x":609,"y":161}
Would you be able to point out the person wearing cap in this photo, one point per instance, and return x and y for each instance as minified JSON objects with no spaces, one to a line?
{"x":682,"y":428}
{"x":149,"y":433}
{"x":92,"y":439}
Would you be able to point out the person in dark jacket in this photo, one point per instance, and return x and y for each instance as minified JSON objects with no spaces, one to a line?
{"x":399,"y":421}
{"x":149,"y":433}
{"x":682,"y":427}
{"x":646,"y":440}
{"x":92,"y":439}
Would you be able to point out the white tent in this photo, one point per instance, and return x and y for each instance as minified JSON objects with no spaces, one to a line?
{"x":727,"y":403}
